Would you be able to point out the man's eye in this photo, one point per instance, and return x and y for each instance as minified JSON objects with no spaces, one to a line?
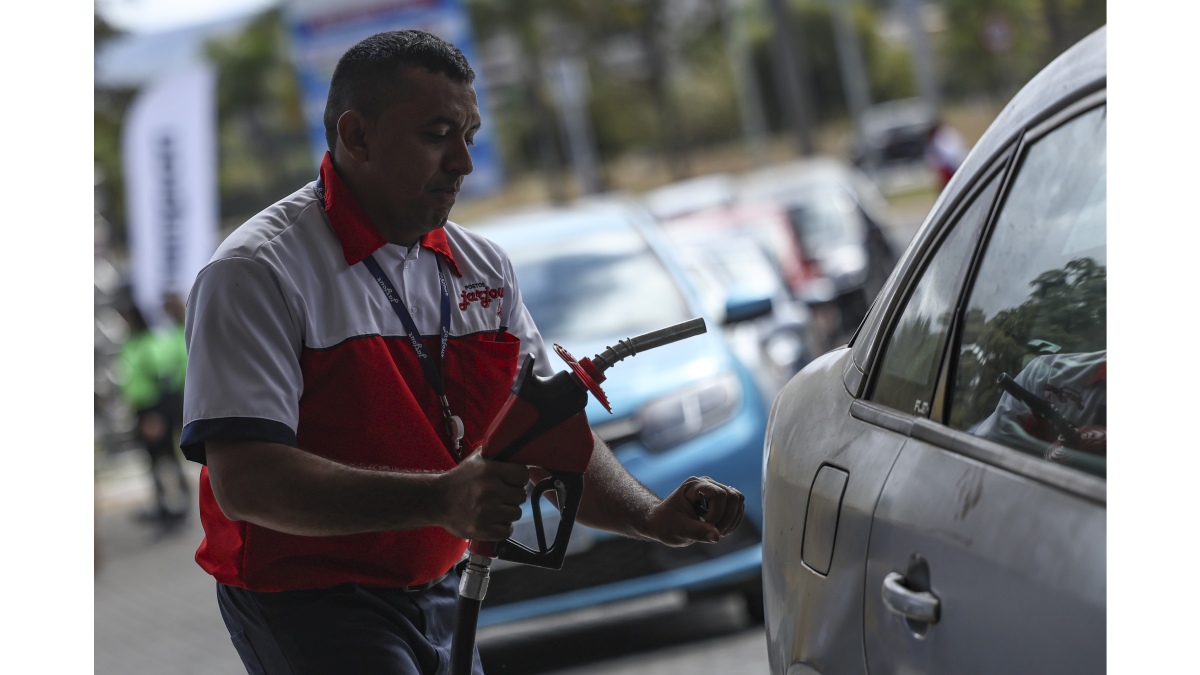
{"x":471,"y":141}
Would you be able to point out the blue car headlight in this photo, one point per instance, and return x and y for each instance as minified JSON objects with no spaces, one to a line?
{"x":685,"y":414}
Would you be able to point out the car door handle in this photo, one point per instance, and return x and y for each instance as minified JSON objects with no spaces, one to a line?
{"x":919,"y":606}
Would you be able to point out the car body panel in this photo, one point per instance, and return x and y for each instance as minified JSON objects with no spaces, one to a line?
{"x":1039,"y":573}
{"x":824,"y":422}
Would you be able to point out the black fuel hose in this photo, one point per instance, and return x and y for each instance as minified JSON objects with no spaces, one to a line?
{"x":462,"y":649}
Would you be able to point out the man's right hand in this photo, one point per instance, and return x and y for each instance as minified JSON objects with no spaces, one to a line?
{"x":482,"y":498}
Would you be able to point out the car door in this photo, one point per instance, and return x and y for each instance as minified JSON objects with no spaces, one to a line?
{"x":987,"y":546}
{"x":829,"y":457}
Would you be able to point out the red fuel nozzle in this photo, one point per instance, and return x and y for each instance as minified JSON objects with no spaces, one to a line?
{"x":591,"y":373}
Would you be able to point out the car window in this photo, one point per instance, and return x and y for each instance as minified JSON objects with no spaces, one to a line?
{"x":825,"y":220}
{"x":909,"y":368}
{"x":1032,"y":362}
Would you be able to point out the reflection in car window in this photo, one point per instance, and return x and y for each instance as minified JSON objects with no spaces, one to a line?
{"x":605,"y":272}
{"x":911,"y":359}
{"x":1032,"y":366}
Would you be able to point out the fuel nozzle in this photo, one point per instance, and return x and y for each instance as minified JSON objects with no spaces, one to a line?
{"x":591,"y":371}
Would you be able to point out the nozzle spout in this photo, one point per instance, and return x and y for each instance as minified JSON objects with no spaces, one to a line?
{"x":636,"y":345}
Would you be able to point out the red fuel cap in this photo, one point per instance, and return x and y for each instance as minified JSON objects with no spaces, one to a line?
{"x":588,"y":374}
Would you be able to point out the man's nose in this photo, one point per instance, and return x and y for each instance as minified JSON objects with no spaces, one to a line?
{"x":459,"y":159}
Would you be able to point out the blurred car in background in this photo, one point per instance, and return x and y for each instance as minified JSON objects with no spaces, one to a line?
{"x":894,"y":133}
{"x":838,"y":219}
{"x":767,"y":224}
{"x":699,"y":193}
{"x":736,"y":276}
{"x":592,"y":275}
{"x":935,"y":493}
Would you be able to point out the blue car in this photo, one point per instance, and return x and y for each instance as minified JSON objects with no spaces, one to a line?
{"x":592,"y":275}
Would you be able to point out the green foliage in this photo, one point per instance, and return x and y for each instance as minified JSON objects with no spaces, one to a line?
{"x":889,"y":65}
{"x":1039,"y":30}
{"x":108,"y":116}
{"x":659,"y":96}
{"x":264,"y":150}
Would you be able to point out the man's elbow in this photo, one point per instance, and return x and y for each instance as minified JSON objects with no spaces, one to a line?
{"x":229,"y":477}
{"x":226,"y":496}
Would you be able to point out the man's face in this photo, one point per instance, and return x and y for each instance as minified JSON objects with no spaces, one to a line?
{"x":418,"y":153}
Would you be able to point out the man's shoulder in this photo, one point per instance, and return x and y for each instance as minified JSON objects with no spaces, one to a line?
{"x":269,"y":225}
{"x":476,"y":246}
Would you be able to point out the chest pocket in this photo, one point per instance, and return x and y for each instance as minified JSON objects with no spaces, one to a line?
{"x":479,"y":370}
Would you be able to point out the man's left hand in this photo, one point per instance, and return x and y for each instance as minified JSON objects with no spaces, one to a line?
{"x":700,"y":509}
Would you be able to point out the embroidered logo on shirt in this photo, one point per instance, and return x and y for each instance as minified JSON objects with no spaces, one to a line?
{"x":481,"y":293}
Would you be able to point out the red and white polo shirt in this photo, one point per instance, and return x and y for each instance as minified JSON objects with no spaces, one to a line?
{"x":291,"y":340}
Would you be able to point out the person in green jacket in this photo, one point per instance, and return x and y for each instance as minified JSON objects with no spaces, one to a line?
{"x":150,"y":377}
{"x":173,"y":352}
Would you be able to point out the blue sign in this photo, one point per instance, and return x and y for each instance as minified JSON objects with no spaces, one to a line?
{"x":321,"y":34}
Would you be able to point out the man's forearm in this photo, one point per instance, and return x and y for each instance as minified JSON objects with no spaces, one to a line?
{"x":297,"y":492}
{"x":613,"y":500}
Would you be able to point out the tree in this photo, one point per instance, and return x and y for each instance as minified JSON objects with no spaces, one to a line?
{"x":264,"y":149}
{"x":996,"y":46}
{"x":108,"y":115}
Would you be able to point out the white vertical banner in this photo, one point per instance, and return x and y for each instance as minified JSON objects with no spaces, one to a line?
{"x":169,"y":153}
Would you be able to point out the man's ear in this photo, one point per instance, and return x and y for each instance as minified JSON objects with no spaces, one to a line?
{"x":352,"y":135}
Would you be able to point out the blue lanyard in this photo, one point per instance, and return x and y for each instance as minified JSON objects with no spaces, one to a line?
{"x":454,"y":424}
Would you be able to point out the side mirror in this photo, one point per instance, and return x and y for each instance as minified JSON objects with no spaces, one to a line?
{"x":743,"y":304}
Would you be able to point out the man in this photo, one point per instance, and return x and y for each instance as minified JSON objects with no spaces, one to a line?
{"x":1075,"y":385}
{"x":337,"y":496}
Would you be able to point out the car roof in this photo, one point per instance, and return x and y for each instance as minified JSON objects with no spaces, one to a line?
{"x":550,"y":224}
{"x":691,"y":194}
{"x":788,"y":182}
{"x":895,"y":114}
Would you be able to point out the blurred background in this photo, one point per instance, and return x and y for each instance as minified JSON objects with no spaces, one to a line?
{"x":806,"y":138}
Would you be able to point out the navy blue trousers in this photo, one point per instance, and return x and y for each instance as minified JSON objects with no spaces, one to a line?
{"x":345,"y":629}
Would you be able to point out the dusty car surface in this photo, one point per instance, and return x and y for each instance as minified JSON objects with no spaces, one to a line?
{"x":934,"y":493}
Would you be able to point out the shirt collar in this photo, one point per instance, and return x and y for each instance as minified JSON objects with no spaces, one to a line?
{"x":358,"y":237}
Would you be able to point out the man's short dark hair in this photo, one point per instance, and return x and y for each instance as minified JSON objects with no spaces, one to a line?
{"x":365,"y":76}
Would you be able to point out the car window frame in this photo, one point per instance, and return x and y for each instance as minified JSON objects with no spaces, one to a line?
{"x":949,"y":368}
{"x":934,"y":428}
{"x":885,"y":314}
{"x":997,"y":173}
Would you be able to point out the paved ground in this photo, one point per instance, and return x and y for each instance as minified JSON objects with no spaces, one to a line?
{"x":155,"y":609}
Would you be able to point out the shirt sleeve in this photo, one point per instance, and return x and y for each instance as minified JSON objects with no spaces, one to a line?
{"x":516,"y":317}
{"x":243,"y":370}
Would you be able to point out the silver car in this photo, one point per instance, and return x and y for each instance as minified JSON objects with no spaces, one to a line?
{"x":935,"y":493}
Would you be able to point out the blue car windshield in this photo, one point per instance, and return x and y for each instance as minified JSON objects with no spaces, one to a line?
{"x":601,"y":285}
